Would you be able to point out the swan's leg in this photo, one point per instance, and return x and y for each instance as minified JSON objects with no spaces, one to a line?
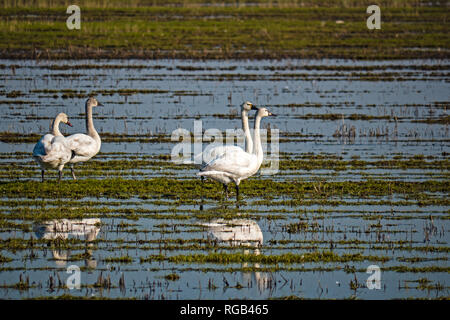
{"x":237,"y":193}
{"x":42,"y":175}
{"x":201,"y":202}
{"x":73,"y":172}
{"x":225,"y":188}
{"x":59,"y":175}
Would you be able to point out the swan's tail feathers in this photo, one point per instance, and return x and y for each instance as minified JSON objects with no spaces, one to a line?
{"x":223,"y":177}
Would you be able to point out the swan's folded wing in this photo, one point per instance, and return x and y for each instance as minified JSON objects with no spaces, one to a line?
{"x":210,"y":154}
{"x":58,"y":151}
{"x":233,"y":161}
{"x":81,"y":144}
{"x":43,"y":146}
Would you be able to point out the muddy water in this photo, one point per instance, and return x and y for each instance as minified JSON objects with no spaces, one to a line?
{"x":399,"y":111}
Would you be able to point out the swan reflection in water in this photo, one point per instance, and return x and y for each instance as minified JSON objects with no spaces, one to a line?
{"x":241,"y":233}
{"x":61,"y":229}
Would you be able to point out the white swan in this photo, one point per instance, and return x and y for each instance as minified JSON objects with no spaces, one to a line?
{"x":85,"y":146}
{"x":206,"y":156}
{"x":235,"y":164}
{"x":51,"y":151}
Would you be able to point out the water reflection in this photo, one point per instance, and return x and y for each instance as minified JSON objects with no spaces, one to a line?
{"x":62,"y":229}
{"x":242,"y":233}
{"x":236,"y":232}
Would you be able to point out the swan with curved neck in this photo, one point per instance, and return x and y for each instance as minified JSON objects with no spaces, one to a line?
{"x":236,"y":164}
{"x":85,"y":146}
{"x":61,"y":117}
{"x":206,"y":156}
{"x":51,"y":151}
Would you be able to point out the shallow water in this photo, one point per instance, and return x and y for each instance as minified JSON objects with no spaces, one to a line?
{"x":405,"y":104}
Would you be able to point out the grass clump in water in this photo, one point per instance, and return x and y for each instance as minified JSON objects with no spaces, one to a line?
{"x":226,"y":258}
{"x":172,"y":277}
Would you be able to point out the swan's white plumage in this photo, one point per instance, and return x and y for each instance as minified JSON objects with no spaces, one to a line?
{"x":51,"y":151}
{"x":57,"y":153}
{"x":43,"y":145}
{"x":233,"y":165}
{"x":236,"y":165}
{"x":210,"y":154}
{"x":83,"y":146}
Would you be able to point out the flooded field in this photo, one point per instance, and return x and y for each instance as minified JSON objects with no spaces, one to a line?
{"x":363,"y":181}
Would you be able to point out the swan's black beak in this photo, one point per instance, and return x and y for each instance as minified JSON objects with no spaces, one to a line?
{"x":69,"y":124}
{"x":99,"y":104}
{"x":254,"y":108}
{"x":272,"y":114}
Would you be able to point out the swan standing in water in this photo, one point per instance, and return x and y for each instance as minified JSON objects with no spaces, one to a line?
{"x":235,"y":164}
{"x":52,"y":151}
{"x":206,"y":156}
{"x":85,"y":146}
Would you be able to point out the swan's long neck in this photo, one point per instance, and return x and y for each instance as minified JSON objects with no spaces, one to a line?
{"x":55,"y":127}
{"x":258,"y":150}
{"x":90,"y":124}
{"x":248,"y":136}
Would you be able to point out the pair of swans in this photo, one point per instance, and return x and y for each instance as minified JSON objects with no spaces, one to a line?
{"x":232,"y":163}
{"x":54,"y":151}
{"x":206,"y":156}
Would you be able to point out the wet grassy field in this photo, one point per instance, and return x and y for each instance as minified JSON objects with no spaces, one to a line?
{"x":363,"y":180}
{"x":363,"y":175}
{"x":234,"y":30}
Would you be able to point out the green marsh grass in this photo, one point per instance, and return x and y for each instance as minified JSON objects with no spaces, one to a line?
{"x":189,"y":188}
{"x":224,"y":33}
